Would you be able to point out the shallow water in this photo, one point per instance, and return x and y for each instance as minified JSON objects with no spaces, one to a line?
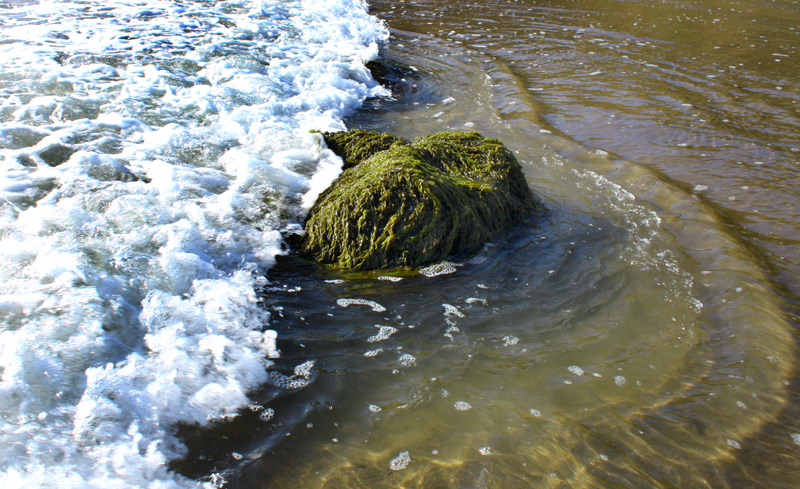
{"x":631,"y":339}
{"x":641,"y":334}
{"x":703,"y":92}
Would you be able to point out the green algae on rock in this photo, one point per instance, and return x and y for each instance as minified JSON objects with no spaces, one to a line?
{"x":356,"y":145}
{"x":408,"y":204}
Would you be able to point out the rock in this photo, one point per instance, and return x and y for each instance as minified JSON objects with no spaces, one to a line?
{"x":401,"y":204}
{"x":398,"y":79}
{"x":57,"y":154}
{"x":357,"y":145}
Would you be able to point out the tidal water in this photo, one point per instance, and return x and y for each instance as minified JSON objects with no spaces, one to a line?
{"x":152,"y":153}
{"x":644,"y":334}
{"x":156,"y":333}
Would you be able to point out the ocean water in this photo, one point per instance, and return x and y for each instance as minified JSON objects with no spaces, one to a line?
{"x":157,"y":333}
{"x":643,"y":334}
{"x":625,"y":339}
{"x":152,"y":153}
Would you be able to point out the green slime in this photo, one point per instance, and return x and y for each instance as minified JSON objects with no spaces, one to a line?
{"x":408,"y":204}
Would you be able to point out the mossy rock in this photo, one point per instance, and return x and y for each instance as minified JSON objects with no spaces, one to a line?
{"x":357,"y":145}
{"x":408,"y":204}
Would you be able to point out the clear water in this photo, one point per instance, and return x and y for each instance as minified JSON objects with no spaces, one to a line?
{"x":626,"y":340}
{"x":155,"y":335}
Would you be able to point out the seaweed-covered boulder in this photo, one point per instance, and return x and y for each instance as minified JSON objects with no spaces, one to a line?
{"x":407,"y":204}
{"x":357,"y":145}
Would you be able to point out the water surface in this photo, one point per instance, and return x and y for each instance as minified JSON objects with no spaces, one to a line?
{"x":641,"y":335}
{"x":156,"y":333}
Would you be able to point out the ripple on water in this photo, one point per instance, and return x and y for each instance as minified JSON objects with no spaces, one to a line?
{"x":613,"y":301}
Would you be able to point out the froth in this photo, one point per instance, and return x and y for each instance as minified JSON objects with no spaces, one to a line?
{"x":144,"y":187}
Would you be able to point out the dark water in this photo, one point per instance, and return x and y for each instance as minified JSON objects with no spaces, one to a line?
{"x":643,"y":334}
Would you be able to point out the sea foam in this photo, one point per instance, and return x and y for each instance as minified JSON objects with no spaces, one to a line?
{"x":152,"y":152}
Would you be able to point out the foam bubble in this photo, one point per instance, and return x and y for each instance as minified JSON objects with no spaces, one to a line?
{"x":373,"y":353}
{"x":450,"y":310}
{"x":267,"y":414}
{"x":474,"y":300}
{"x":285,"y":382}
{"x":443,"y":268}
{"x":389,"y":278}
{"x":383,"y":333}
{"x":361,"y":302}
{"x":462,"y":406}
{"x":400,"y":462}
{"x":407,"y":360}
{"x":304,"y":369}
{"x":575,"y":370}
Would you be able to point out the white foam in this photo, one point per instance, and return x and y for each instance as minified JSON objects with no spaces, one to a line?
{"x":304,"y":369}
{"x":575,"y":370}
{"x":462,"y":405}
{"x":285,"y":382}
{"x":451,"y":310}
{"x":373,"y":353}
{"x":400,"y":462}
{"x":267,"y":414}
{"x":475,"y":300}
{"x":407,"y":360}
{"x":443,"y":268}
{"x":361,"y":302}
{"x":384,"y":332}
{"x":180,"y":138}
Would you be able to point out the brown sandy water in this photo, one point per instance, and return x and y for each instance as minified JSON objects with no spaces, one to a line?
{"x":641,"y":335}
{"x":706,"y":93}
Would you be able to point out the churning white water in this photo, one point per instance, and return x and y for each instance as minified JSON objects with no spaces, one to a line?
{"x":152,"y":151}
